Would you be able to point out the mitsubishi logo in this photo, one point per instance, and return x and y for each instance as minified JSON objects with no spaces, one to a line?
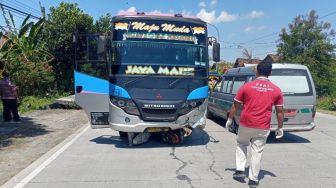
{"x":158,"y":96}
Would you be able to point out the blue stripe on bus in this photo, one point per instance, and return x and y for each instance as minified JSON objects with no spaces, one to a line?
{"x":119,"y":92}
{"x":93,"y":84}
{"x":199,"y":93}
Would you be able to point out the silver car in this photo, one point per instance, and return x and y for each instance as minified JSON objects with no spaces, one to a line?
{"x":296,"y":83}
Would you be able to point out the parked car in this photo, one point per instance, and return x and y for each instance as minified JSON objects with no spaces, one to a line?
{"x":296,"y":83}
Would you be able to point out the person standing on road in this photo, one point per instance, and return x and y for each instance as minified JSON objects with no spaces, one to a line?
{"x":9,"y":96}
{"x":258,"y":98}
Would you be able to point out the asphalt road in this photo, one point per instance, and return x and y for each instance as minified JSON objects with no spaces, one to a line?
{"x":98,"y":158}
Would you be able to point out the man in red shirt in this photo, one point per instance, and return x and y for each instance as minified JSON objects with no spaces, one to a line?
{"x":258,"y":98}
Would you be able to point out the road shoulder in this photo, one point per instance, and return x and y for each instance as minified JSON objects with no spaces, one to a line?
{"x":37,"y":134}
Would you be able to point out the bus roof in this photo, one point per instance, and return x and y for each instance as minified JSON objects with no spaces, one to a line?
{"x":158,"y":15}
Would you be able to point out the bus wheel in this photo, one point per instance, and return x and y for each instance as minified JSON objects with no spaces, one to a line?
{"x":123,"y":135}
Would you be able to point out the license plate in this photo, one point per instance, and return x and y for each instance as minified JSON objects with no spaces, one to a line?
{"x":157,"y":129}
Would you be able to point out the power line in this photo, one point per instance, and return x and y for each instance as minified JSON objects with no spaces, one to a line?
{"x":29,"y":7}
{"x":18,"y":11}
{"x":22,"y":7}
{"x":255,"y":43}
{"x":262,"y":37}
{"x":329,"y":14}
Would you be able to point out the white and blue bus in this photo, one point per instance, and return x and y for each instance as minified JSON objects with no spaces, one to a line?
{"x":150,"y":74}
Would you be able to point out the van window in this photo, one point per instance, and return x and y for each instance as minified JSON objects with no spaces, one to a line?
{"x":292,"y":82}
{"x":218,"y":86}
{"x":239,"y":81}
{"x":227,"y":82}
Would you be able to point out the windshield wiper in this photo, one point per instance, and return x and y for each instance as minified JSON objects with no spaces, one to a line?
{"x":136,"y":79}
{"x":180,"y":78}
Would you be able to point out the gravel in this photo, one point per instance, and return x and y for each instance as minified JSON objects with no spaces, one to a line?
{"x":36,"y":134}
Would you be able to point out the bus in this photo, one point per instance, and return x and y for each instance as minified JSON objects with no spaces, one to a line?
{"x":150,"y":74}
{"x":295,"y":82}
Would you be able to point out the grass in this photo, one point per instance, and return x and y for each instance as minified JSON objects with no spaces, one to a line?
{"x":327,"y":112}
{"x":327,"y":105}
{"x":31,"y":103}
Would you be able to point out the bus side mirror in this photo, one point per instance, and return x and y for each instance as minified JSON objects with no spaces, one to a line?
{"x":216,"y":51}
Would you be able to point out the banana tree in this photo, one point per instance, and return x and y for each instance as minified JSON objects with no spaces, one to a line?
{"x":25,"y":57}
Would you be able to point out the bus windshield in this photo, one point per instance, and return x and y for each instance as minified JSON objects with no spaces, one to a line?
{"x":292,"y":82}
{"x":158,"y":53}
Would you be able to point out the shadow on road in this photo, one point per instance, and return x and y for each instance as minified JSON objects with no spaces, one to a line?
{"x":219,"y":121}
{"x":288,"y":138}
{"x":262,"y":173}
{"x":25,"y":128}
{"x":198,"y":137}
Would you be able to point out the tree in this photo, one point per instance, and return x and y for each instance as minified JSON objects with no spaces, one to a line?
{"x":103,"y":24}
{"x":24,"y":56}
{"x":308,"y":42}
{"x":64,"y":21}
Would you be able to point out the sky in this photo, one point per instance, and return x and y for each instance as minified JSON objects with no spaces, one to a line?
{"x":241,"y":24}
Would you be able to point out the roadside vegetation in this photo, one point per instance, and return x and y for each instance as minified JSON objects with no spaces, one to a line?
{"x":39,"y":55}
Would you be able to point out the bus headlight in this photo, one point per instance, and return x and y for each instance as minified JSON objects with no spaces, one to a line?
{"x":188,"y":106}
{"x":126,"y":104}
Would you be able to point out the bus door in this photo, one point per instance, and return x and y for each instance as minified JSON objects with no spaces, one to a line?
{"x":91,"y":78}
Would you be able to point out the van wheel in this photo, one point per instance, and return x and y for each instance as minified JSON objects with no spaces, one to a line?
{"x":208,"y":114}
{"x":123,"y":135}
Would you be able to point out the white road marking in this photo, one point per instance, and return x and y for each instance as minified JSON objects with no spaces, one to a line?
{"x":34,"y":173}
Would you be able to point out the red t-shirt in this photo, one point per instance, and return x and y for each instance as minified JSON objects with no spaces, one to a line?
{"x":258,"y":98}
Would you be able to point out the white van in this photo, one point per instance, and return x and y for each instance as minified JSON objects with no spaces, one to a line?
{"x":296,"y":83}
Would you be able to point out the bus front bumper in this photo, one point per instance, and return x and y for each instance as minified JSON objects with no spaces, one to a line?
{"x":120,"y":121}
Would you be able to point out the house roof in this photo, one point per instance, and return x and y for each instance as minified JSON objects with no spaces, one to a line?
{"x":273,"y":58}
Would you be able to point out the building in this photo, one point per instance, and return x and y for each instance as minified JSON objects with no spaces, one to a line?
{"x":272,"y":58}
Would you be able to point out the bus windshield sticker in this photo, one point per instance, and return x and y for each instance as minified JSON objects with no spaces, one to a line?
{"x":161,"y":70}
{"x":121,"y":26}
{"x":159,"y":36}
{"x":164,"y":27}
{"x":198,"y":30}
{"x":160,"y":30}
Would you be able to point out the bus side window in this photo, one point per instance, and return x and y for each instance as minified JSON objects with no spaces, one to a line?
{"x":91,"y":54}
{"x":238,"y":82}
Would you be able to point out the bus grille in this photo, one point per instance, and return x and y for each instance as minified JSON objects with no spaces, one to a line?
{"x":159,"y":114}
